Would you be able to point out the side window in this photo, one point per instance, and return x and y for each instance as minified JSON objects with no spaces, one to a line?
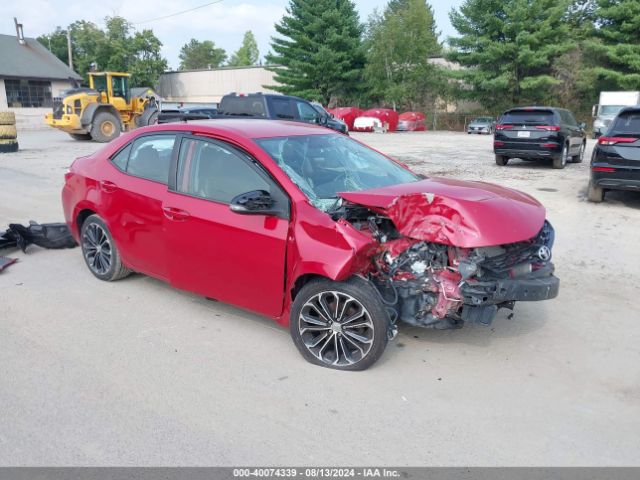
{"x":120,"y":158}
{"x":281,"y":108}
{"x":571,"y":119}
{"x":306,"y":112}
{"x":215,"y":172}
{"x":151,"y":157}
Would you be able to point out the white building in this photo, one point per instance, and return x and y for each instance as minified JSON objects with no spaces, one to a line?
{"x":209,"y":86}
{"x":30,"y":76}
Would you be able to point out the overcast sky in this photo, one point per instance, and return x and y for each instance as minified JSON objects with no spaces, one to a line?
{"x":224,"y":22}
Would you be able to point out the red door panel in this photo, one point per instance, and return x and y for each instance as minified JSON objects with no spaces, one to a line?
{"x":132,"y":208}
{"x":238,"y":259}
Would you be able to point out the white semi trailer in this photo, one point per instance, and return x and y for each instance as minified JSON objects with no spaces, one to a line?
{"x":610,"y":104}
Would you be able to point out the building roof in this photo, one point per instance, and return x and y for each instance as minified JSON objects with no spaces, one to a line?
{"x":31,"y":60}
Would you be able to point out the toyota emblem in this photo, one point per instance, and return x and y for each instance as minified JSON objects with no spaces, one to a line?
{"x":544,"y":253}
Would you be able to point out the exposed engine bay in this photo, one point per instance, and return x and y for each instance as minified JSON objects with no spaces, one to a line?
{"x":442,"y":286}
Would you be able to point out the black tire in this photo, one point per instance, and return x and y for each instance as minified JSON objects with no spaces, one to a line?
{"x":560,"y":161}
{"x":80,"y":136}
{"x":501,"y":160}
{"x":359,"y":347}
{"x":148,"y":117}
{"x":594,"y":194}
{"x":93,"y":232}
{"x":8,"y":147}
{"x":8,"y":132}
{"x":106,"y":127}
{"x":7,"y":118}
{"x":578,"y":158}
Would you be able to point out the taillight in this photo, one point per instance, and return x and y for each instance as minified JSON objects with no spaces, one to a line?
{"x":603,"y":169}
{"x":549,"y":145}
{"x":498,"y":143}
{"x":503,"y":127}
{"x":614,"y":140}
{"x":549,"y":128}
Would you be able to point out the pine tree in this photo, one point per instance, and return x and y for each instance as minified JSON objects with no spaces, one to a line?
{"x":247,"y":54}
{"x":508,"y":48}
{"x":318,"y":54}
{"x":616,"y":48}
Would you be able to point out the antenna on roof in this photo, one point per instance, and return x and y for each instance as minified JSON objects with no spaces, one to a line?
{"x":19,"y":32}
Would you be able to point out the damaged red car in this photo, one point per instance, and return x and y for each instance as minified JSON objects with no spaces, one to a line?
{"x":310,"y":228}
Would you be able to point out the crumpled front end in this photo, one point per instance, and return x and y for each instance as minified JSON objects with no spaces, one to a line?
{"x":445,"y":264}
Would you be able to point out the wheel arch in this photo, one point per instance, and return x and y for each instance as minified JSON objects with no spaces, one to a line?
{"x":94,"y":109}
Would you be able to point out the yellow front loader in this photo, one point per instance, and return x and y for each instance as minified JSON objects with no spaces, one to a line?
{"x":103,"y":110}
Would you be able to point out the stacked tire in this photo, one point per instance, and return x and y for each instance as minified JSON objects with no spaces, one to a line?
{"x":8,"y":133}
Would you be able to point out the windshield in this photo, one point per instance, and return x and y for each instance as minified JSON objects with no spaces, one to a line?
{"x":610,"y":109}
{"x":626,"y":125}
{"x":323,"y":165}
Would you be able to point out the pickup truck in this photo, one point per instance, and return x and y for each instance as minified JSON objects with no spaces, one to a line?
{"x":278,"y":107}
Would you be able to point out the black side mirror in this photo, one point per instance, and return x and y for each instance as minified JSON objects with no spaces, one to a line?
{"x":582,"y":125}
{"x":255,"y":202}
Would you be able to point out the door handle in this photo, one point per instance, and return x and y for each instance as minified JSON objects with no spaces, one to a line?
{"x":175,"y":214}
{"x":107,"y":186}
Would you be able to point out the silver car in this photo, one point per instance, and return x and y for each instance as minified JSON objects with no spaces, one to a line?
{"x":481,"y":125}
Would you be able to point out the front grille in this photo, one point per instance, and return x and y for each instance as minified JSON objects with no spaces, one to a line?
{"x":500,"y":260}
{"x":58,"y":108}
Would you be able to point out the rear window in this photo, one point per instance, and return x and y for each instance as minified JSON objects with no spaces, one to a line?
{"x":533,"y":117}
{"x":627,"y":124}
{"x":243,"y":106}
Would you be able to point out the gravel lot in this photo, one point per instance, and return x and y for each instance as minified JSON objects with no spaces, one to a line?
{"x":137,"y":373}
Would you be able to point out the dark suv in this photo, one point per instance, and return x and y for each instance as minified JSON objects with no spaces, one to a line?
{"x":615,"y":164}
{"x":277,"y":107}
{"x":533,"y":133}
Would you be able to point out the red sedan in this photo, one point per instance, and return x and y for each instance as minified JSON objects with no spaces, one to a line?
{"x":310,"y":228}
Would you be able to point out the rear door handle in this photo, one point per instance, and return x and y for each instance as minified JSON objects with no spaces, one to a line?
{"x":107,"y":186}
{"x":175,"y":214}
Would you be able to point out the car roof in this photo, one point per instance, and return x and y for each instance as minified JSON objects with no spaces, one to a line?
{"x":244,"y":127}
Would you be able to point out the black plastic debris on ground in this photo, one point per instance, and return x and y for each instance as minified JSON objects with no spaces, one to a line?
{"x":45,"y":235}
{"x":6,"y":262}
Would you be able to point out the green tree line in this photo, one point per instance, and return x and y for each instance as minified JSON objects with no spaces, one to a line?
{"x":118,"y":47}
{"x":511,"y":52}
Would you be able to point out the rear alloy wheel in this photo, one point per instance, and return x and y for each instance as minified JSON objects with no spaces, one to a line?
{"x":578,"y":158}
{"x":501,"y":160}
{"x":100,"y":252}
{"x":561,"y":161}
{"x":340,"y":325}
{"x":595,"y":194}
{"x":105,"y":127}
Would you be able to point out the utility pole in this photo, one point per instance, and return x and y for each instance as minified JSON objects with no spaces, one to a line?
{"x":69,"y":48}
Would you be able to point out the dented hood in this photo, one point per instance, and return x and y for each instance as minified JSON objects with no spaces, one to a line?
{"x":454,"y":212}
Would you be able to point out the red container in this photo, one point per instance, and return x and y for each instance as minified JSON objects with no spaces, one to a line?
{"x":383,"y":119}
{"x":411,"y":122}
{"x":346,"y":114}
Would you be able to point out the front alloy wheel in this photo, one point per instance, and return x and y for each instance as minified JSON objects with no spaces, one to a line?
{"x":336,"y":328}
{"x":341,"y":325}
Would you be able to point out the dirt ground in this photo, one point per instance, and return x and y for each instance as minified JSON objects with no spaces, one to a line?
{"x":137,"y":373}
